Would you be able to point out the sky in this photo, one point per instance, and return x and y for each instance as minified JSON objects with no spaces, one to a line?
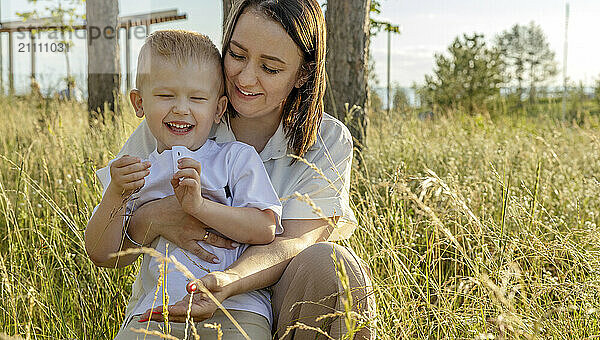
{"x":427,"y":28}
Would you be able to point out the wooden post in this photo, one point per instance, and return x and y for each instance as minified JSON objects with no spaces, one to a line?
{"x":147,"y":29}
{"x":32,"y":38}
{"x":127,"y":59}
{"x":1,"y":68}
{"x":11,"y":73}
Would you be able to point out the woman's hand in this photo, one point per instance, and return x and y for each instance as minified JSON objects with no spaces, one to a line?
{"x":166,"y":218}
{"x":203,"y":307}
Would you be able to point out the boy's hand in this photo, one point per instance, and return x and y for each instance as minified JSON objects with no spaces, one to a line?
{"x":127,"y":174}
{"x":186,"y":184}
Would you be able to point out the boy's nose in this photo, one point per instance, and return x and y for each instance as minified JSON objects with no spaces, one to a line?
{"x":181,"y":107}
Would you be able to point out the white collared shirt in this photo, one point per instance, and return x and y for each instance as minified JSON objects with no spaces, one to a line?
{"x":232,"y":174}
{"x":331,"y":154}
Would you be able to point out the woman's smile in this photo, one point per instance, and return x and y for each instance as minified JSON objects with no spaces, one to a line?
{"x":246,"y":95}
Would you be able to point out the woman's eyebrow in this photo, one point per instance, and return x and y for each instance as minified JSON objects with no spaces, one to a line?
{"x":263,"y":56}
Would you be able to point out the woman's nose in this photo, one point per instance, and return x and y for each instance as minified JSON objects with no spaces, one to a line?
{"x":247,"y":76}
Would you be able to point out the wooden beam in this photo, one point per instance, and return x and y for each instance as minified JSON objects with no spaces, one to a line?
{"x":25,"y":27}
{"x":147,"y":16}
{"x":1,"y":68}
{"x":33,"y":47}
{"x":11,"y":73}
{"x":127,"y":59}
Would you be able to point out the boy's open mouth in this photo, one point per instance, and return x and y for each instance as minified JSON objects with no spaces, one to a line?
{"x":179,"y":128}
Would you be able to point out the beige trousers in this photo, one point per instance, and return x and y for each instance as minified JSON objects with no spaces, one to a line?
{"x":256,"y":325}
{"x":310,"y":287}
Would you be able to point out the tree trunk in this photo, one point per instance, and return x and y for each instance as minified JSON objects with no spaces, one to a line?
{"x":226,"y":7}
{"x":104,"y":74}
{"x":347,"y":59}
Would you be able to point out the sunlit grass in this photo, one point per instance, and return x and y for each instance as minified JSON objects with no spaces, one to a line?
{"x":472,"y":227}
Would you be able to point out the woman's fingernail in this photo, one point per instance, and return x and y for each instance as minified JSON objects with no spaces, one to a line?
{"x":235,"y":244}
{"x":216,"y":260}
{"x":156,"y":312}
{"x":143,"y":320}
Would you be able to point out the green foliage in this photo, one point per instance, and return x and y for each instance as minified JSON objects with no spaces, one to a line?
{"x":378,"y":26}
{"x":597,"y":91}
{"x":400,"y":100}
{"x":579,"y":104}
{"x":467,"y":77}
{"x":527,"y":55}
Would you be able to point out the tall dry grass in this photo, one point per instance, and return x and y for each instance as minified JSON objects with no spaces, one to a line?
{"x":473,"y":227}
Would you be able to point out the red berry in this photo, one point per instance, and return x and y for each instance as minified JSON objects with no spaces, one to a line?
{"x":192,"y":287}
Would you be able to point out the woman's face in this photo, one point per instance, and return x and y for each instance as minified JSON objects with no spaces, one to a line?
{"x":261,"y":66}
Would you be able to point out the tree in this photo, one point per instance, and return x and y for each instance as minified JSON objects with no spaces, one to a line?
{"x":527,"y":56}
{"x":348,"y":28}
{"x":104,"y":74}
{"x":465,"y":78}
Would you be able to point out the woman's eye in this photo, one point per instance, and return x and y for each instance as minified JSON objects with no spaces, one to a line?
{"x":198,"y":98}
{"x":235,"y":56}
{"x":270,"y":70}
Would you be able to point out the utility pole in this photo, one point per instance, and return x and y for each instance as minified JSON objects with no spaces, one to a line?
{"x":389,"y":48}
{"x":390,"y":29}
{"x":564,"y":96}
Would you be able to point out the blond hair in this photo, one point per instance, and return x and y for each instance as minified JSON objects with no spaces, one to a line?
{"x":179,"y":47}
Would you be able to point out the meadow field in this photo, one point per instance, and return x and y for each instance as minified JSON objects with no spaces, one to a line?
{"x":474,"y":227}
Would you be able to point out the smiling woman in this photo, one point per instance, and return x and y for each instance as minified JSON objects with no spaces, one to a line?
{"x":274,"y":66}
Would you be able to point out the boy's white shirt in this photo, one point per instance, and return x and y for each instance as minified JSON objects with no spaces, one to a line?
{"x":235,"y":166}
{"x":331,"y":153}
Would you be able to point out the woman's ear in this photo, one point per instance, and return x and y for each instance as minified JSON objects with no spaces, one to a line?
{"x":303,"y":75}
{"x":221,"y":108}
{"x":135,"y":96}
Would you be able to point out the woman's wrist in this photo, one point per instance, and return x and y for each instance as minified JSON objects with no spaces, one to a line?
{"x":230,"y":283}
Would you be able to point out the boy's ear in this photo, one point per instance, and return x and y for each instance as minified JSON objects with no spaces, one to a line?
{"x":221,"y":108}
{"x":135,"y":96}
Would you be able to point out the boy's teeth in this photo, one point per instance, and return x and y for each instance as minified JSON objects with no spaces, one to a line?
{"x":180,"y":126}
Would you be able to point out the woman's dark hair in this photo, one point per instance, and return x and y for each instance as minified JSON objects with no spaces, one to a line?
{"x":304,"y":22}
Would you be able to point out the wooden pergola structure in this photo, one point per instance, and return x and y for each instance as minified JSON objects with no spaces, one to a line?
{"x":124,"y":22}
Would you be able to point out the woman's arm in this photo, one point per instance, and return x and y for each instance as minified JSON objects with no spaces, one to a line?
{"x":262,"y":266}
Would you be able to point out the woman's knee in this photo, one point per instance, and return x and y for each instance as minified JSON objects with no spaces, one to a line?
{"x":323,"y":260}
